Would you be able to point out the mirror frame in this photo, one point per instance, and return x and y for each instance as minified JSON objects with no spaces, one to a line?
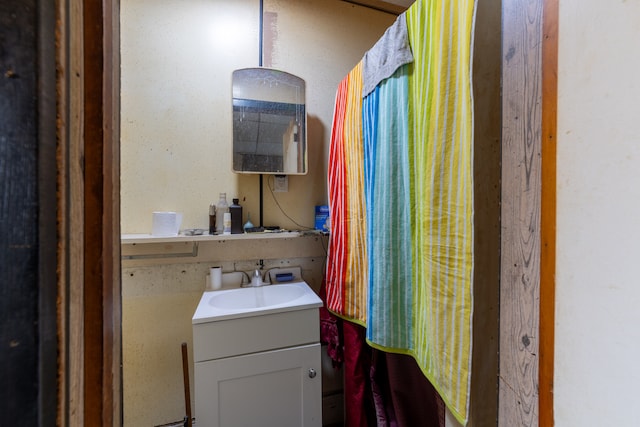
{"x":260,"y":95}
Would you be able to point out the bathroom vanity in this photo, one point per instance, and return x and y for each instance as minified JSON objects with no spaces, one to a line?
{"x":257,"y":357}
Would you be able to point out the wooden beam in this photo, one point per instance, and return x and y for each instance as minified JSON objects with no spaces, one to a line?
{"x":93,"y":208}
{"x":112,"y":295}
{"x":548,"y":209}
{"x":483,"y":410}
{"x":28,"y":346}
{"x":70,"y":212}
{"x":520,"y":215}
{"x":101,"y":215}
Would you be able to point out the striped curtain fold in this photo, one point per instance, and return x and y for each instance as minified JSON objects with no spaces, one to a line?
{"x":401,"y":202}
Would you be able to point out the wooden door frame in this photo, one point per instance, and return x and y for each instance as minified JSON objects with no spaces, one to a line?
{"x":548,"y":210}
{"x":528,"y":217}
{"x":89,"y":303}
{"x":102,"y":296}
{"x":28,"y":237}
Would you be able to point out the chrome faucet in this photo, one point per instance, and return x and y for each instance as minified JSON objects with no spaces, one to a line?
{"x":256,"y":280}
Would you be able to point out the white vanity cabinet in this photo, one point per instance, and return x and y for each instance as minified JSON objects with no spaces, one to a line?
{"x":262,"y":369}
{"x":271,"y":388}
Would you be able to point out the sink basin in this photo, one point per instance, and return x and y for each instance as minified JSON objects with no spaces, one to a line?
{"x":243,"y":302}
{"x":262,"y":296}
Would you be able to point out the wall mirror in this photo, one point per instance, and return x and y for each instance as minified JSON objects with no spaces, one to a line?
{"x":269,"y":122}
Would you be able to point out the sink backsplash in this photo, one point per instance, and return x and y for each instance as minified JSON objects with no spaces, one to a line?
{"x":159,"y":297}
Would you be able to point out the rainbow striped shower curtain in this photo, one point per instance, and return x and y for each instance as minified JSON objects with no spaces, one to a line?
{"x":401,"y":201}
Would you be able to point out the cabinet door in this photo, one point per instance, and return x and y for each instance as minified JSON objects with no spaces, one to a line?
{"x":274,"y":388}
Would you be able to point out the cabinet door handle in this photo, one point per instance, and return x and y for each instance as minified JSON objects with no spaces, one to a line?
{"x":312,"y":373}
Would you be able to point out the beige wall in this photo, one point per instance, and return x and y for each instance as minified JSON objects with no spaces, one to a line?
{"x":177,"y":59}
{"x":597,"y":293}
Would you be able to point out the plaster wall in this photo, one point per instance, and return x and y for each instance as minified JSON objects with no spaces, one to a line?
{"x":597,"y":293}
{"x":177,"y":58}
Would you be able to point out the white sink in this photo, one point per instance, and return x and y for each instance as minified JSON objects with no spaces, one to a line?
{"x":262,"y":296}
{"x":258,"y":348}
{"x":254,"y":301}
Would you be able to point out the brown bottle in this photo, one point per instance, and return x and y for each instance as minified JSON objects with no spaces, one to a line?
{"x":212,"y":218}
{"x":236,"y":217}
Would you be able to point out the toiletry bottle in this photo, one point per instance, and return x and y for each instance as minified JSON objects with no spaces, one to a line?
{"x":212,"y":218}
{"x":226,"y":228}
{"x":236,"y":217}
{"x":221,"y":208}
{"x":248,"y":225}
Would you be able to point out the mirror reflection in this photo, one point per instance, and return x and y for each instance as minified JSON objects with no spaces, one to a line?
{"x":269,"y":122}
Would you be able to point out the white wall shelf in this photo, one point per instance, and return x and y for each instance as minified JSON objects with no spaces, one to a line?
{"x":127,"y":239}
{"x":148,"y":249}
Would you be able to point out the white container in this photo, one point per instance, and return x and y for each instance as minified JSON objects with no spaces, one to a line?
{"x":215,"y":278}
{"x":166,"y":224}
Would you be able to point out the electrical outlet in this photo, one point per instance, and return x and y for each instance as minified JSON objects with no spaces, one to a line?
{"x":281,"y":183}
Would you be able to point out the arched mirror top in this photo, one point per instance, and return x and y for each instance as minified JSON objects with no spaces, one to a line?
{"x":269,"y":122}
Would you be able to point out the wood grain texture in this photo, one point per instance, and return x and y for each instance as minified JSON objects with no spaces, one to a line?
{"x":19,"y":237}
{"x":94,"y":401}
{"x":28,"y":327}
{"x":112,"y":283}
{"x":75,"y":214}
{"x":48,"y":236}
{"x":548,"y":209}
{"x":483,"y":410}
{"x":89,"y":391}
{"x":101,"y":250}
{"x":70,"y":184}
{"x":62,"y":134}
{"x":70,"y":212}
{"x":520,"y":240}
